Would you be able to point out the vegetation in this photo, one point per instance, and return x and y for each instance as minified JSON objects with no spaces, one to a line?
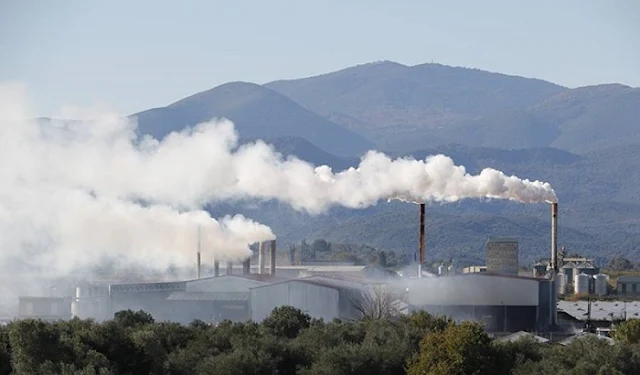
{"x":290,"y":342}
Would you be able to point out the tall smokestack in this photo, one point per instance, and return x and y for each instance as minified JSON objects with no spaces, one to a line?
{"x":246,"y":266}
{"x":272,"y":255}
{"x":261,"y":258}
{"x":229,"y":268}
{"x":216,"y":268}
{"x":198,"y":265}
{"x":554,"y":237}
{"x":421,"y":241}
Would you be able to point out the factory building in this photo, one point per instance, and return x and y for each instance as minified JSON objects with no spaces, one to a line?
{"x":318,"y":296}
{"x":44,"y":308}
{"x":504,"y":303}
{"x":628,"y":285}
{"x":502,"y":255}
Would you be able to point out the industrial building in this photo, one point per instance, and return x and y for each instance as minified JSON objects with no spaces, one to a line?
{"x":505,"y":303}
{"x":320,"y":297}
{"x":502,"y":255}
{"x":628,"y":285}
{"x":44,"y":308}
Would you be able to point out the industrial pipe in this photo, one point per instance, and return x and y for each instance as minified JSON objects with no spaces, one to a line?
{"x":229,"y":268}
{"x":246,"y":266}
{"x":554,"y":237}
{"x":261,"y":258}
{"x":216,"y":268}
{"x":272,"y":255}
{"x":421,"y":241}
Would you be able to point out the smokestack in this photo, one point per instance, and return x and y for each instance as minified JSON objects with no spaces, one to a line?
{"x":421,"y":241}
{"x":246,"y":266}
{"x":272,"y":255}
{"x":229,"y":268}
{"x":198,"y":265}
{"x":261,"y":258}
{"x":216,"y":268}
{"x":554,"y":237}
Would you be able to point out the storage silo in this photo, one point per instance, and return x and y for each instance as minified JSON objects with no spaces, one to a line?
{"x":561,"y":280}
{"x":581,"y":283}
{"x":601,"y":284}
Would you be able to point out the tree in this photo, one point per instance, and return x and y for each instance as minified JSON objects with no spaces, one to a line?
{"x":130,"y":319}
{"x":458,"y":350}
{"x":627,"y":332}
{"x":378,"y":302}
{"x":286,"y":321}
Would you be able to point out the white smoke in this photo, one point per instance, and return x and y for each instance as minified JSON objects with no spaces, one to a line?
{"x":71,"y":191}
{"x":57,"y":210}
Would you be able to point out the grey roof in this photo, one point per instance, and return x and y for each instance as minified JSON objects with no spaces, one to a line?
{"x":208,"y":296}
{"x":583,"y":335}
{"x":601,"y":310}
{"x":629,"y":279}
{"x":521,"y":334}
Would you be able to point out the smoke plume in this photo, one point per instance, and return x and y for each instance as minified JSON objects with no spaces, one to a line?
{"x":73,"y":191}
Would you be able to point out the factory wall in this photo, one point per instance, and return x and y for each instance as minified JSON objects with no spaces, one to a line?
{"x":316,"y":300}
{"x":479,"y":289}
{"x":494,"y":318}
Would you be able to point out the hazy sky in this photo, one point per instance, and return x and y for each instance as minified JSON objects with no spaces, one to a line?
{"x":139,"y":54}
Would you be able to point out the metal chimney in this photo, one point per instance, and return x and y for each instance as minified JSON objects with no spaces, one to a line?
{"x":198,"y":265}
{"x":216,"y":268}
{"x":261,"y":258}
{"x":229,"y":268}
{"x":246,"y":266}
{"x":554,"y":237}
{"x":272,"y":255}
{"x":421,"y":241}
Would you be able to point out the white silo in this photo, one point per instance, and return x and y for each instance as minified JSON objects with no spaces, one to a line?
{"x":561,"y":283}
{"x":581,"y":284}
{"x":601,"y":284}
{"x":441,"y":269}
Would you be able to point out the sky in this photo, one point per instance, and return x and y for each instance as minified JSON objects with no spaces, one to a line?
{"x":135,"y":55}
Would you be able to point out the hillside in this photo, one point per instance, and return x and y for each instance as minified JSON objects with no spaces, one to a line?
{"x":257,"y":112}
{"x":410,"y":107}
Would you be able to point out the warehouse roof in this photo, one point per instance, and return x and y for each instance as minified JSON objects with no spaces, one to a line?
{"x":208,"y":296}
{"x":601,"y":310}
{"x":583,"y":335}
{"x":629,"y":279}
{"x":520,"y":335}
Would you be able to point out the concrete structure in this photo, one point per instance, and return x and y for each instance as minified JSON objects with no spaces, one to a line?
{"x":601,"y":284}
{"x":473,"y":269}
{"x":502,"y":255}
{"x":628,"y":285}
{"x":320,"y":297}
{"x":44,"y":308}
{"x":92,"y":301}
{"x":503,"y":302}
{"x":581,"y":284}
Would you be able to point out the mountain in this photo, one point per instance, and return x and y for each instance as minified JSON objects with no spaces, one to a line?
{"x":394,"y":103}
{"x":257,"y":112}
{"x":410,"y":107}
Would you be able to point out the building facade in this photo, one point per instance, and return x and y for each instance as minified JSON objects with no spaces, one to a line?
{"x":502,"y":255}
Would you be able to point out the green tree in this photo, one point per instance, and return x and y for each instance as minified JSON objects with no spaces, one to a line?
{"x":286,"y":321}
{"x":130,"y":319}
{"x":627,"y":332}
{"x":457,"y":350}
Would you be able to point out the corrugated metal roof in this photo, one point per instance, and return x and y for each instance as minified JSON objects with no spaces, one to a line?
{"x":521,"y":334}
{"x":601,"y":310}
{"x":629,"y":279}
{"x":208,"y":296}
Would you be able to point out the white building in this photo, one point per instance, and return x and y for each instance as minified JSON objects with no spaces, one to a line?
{"x":502,"y":255}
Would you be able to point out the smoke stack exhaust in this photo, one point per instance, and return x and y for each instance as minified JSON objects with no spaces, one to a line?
{"x":216,"y":268}
{"x":261,"y":258}
{"x":246,"y":266}
{"x":272,"y":256}
{"x":554,"y":237}
{"x":229,"y":268}
{"x":421,"y":241}
{"x":198,"y":264}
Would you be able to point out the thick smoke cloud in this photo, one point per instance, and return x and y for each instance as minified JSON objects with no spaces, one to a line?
{"x":74,"y":191}
{"x":70,"y":197}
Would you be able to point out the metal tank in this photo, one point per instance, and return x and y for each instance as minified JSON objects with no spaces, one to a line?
{"x":581,"y":284}
{"x":601,"y":284}
{"x":561,"y":282}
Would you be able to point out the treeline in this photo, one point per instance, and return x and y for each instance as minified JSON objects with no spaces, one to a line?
{"x":290,"y":342}
{"x":321,"y":250}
